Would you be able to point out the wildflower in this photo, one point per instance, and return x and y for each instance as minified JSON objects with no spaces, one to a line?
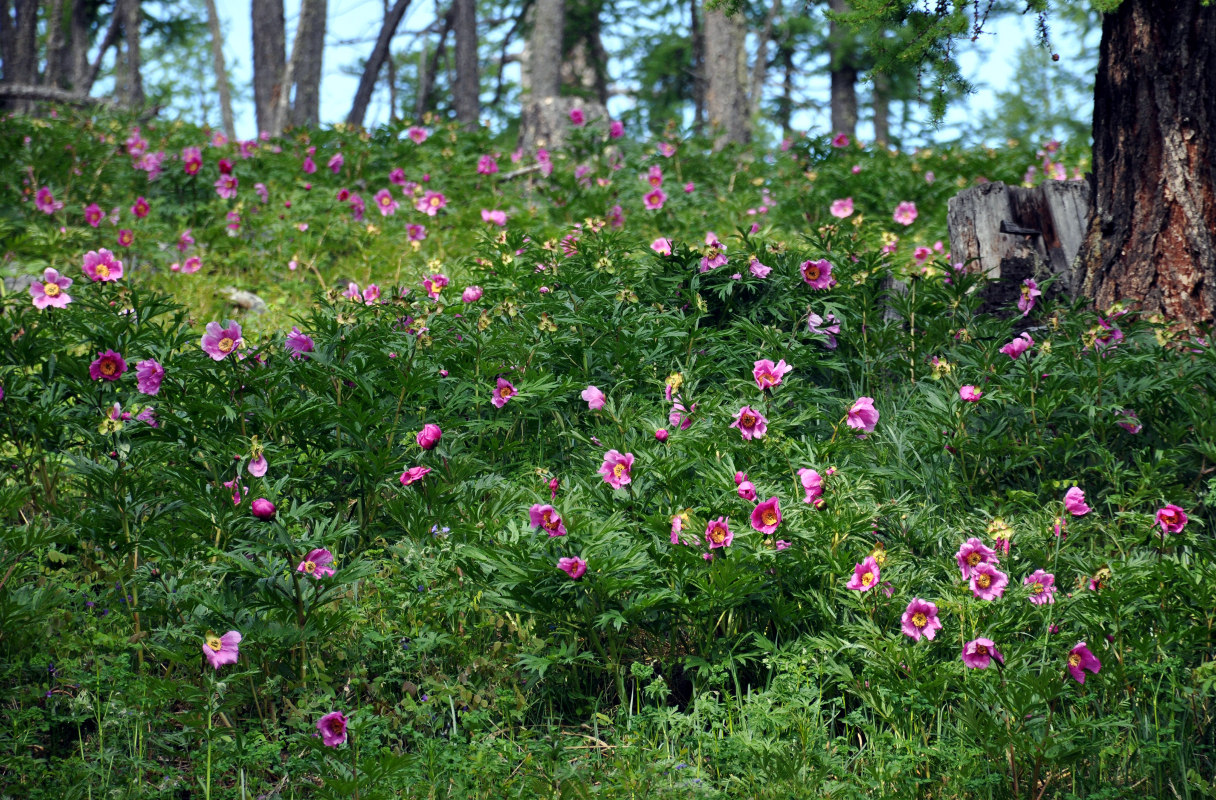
{"x":371,"y":294}
{"x":905,"y":213}
{"x":219,"y":341}
{"x":988,"y":582}
{"x":1098,"y":580}
{"x":431,"y":203}
{"x":226,"y":186}
{"x":1042,"y":587}
{"x":413,"y":474}
{"x":824,"y":326}
{"x":767,"y":516}
{"x":978,"y":653}
{"x":840,"y":140}
{"x":577,"y":117}
{"x":718,"y":533}
{"x":594,"y":398}
{"x":1130,"y":422}
{"x":149,"y":374}
{"x":221,"y":650}
{"x":973,"y":553}
{"x":971,"y":394}
{"x":842,"y":209}
{"x":386,"y":203}
{"x":865,"y":576}
{"x":126,"y":237}
{"x":1026,"y":299}
{"x":781,"y":544}
{"x":317,"y":564}
{"x":192,"y":160}
{"x":1074,"y":502}
{"x":1001,"y":534}
{"x":429,"y":436}
{"x":747,"y":490}
{"x":471,"y":294}
{"x":1172,"y":519}
{"x":1080,"y":658}
{"x":920,"y":619}
{"x":263,"y":509}
{"x":498,"y":218}
{"x":768,"y":375}
{"x":757,"y":269}
{"x":417,"y":135}
{"x":751,"y":423}
{"x":148,"y":417}
{"x":812,"y":484}
{"x":335,"y":163}
{"x":616,"y":129}
{"x":192,"y":265}
{"x":258,"y":464}
{"x":661,"y":246}
{"x":546,"y":516}
{"x":51,"y":291}
{"x":817,"y":274}
{"x":264,"y":194}
{"x":486,"y":165}
{"x":101,"y":265}
{"x":616,"y":468}
{"x":654,"y":199}
{"x":504,"y":392}
{"x":677,"y":525}
{"x":862,"y":415}
{"x":575,"y":567}
{"x":300,"y":344}
{"x":93,"y":214}
{"x":309,"y":166}
{"x":661,"y":434}
{"x":434,"y":284}
{"x":680,"y":417}
{"x":333,"y":726}
{"x":666,"y":149}
{"x":46,"y":202}
{"x":1018,"y":346}
{"x":108,"y":366}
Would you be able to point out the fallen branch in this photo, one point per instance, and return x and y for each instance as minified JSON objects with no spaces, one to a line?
{"x":51,"y":94}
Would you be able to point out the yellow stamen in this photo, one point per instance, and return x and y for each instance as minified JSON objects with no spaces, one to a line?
{"x":214,"y":643}
{"x":919,"y":620}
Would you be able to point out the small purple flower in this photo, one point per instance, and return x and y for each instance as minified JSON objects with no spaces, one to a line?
{"x":299,"y":344}
{"x":1080,"y":658}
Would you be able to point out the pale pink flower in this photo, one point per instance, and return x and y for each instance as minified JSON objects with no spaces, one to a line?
{"x":575,"y":567}
{"x":433,"y":284}
{"x":757,"y":269}
{"x":496,"y":217}
{"x":386,"y":203}
{"x":417,"y":135}
{"x":51,"y":291}
{"x":594,"y":398}
{"x":661,"y":246}
{"x":221,"y":650}
{"x":905,"y":213}
{"x":226,"y":186}
{"x":842,"y":209}
{"x":471,"y":294}
{"x":1074,"y":502}
{"x":1018,"y":346}
{"x":978,"y":653}
{"x":751,"y":423}
{"x":971,"y":394}
{"x":1026,"y":298}
{"x":654,"y":199}
{"x":431,"y":203}
{"x":102,"y":266}
{"x":218,"y":341}
{"x":616,"y":468}
{"x":46,"y":202}
{"x":335,"y":163}
{"x":862,"y":415}
{"x":149,"y":374}
{"x":812,"y":484}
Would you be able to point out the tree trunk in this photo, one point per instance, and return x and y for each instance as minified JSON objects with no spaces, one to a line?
{"x":77,"y":57}
{"x":760,"y":67}
{"x":785,"y":103}
{"x":467,"y":86}
{"x":371,"y":70}
{"x":132,"y":18}
{"x":269,"y":60}
{"x":428,"y":66}
{"x":698,"y":68}
{"x":56,"y":40}
{"x":24,"y":47}
{"x":221,"y":72}
{"x":843,"y":73}
{"x":882,"y":109}
{"x":545,"y":48}
{"x":311,"y":38}
{"x":725,"y":78}
{"x":1152,"y":235}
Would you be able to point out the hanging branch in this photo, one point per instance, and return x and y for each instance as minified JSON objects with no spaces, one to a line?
{"x":371,"y":70}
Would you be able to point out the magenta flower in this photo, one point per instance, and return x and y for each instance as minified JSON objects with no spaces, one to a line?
{"x":1172,"y":519}
{"x":973,"y":553}
{"x":1018,"y":346}
{"x":654,"y":199}
{"x":226,"y":186}
{"x":865,"y":576}
{"x":498,"y":218}
{"x":93,"y":214}
{"x":101,"y":265}
{"x":840,"y":140}
{"x":335,"y":163}
{"x":862,"y":415}
{"x":504,"y":392}
{"x":767,"y":516}
{"x":661,"y":434}
{"x":905,"y":213}
{"x":192,"y":160}
{"x":1074,"y":502}
{"x":1129,"y":422}
{"x":666,"y":149}
{"x":191,"y":265}
{"x":126,"y":237}
{"x":1026,"y":300}
{"x":371,"y":295}
{"x":141,"y":208}
{"x":577,"y":118}
{"x":616,"y":468}
{"x":108,"y":366}
{"x":429,"y":436}
{"x":1080,"y":659}
{"x":471,"y":294}
{"x":971,"y":394}
{"x":661,"y":246}
{"x":978,"y":653}
{"x":768,"y":374}
{"x":616,"y":129}
{"x":594,"y":398}
{"x":1042,"y":587}
{"x":812,"y":484}
{"x":920,"y":619}
{"x":258,"y":464}
{"x":574,"y":567}
{"x":988,"y":582}
{"x":46,"y":202}
{"x":829,"y":327}
{"x":486,"y":165}
{"x":386,"y":203}
{"x":842,"y":209}
{"x":718,"y":533}
{"x":677,"y":525}
{"x":218,"y":341}
{"x":417,"y":135}
{"x":263,"y":509}
{"x":757,"y":269}
{"x":148,"y":375}
{"x":221,"y":650}
{"x":434,"y":284}
{"x":680,"y":417}
{"x":299,"y":343}
{"x":52,"y":291}
{"x":546,"y":516}
{"x":413,"y":474}
{"x":317,"y":564}
{"x":747,"y":490}
{"x":333,"y":728}
{"x":751,"y":423}
{"x":431,"y":203}
{"x":817,"y":274}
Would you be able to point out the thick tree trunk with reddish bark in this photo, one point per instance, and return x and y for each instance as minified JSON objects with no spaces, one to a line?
{"x":1152,"y":235}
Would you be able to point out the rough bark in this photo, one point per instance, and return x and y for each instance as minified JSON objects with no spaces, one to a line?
{"x":881,"y":102}
{"x":56,"y":41}
{"x":698,"y":67}
{"x":371,"y":70}
{"x":269,"y":59}
{"x":726,"y":106}
{"x":540,"y":123}
{"x":1152,"y":236}
{"x":466,"y":88}
{"x":6,"y":42}
{"x":428,"y":66}
{"x":50,"y":94}
{"x":132,"y":17}
{"x":24,"y":47}
{"x":843,"y":73}
{"x":310,"y":37}
{"x":77,"y":56}
{"x":584,"y":64}
{"x":221,"y":71}
{"x":760,"y":67}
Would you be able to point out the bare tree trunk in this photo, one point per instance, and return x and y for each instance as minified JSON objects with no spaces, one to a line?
{"x":391,"y":64}
{"x":24,"y":49}
{"x":269,"y":59}
{"x":698,"y":68}
{"x":107,"y":41}
{"x":55,"y":44}
{"x":785,"y":104}
{"x":1152,"y":233}
{"x":221,"y":71}
{"x":310,"y":39}
{"x":6,"y":43}
{"x":545,"y":48}
{"x":131,"y":21}
{"x":882,"y":109}
{"x":760,"y":67}
{"x":76,"y":60}
{"x":371,"y":71}
{"x":843,"y":73}
{"x":467,"y":86}
{"x":725,"y":72}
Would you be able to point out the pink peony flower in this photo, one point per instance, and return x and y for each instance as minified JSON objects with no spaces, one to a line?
{"x":1080,"y":659}
{"x":1172,"y":519}
{"x":654,"y":199}
{"x":817,"y":274}
{"x":429,"y":436}
{"x":546,"y":516}
{"x":666,"y":149}
{"x":840,"y":140}
{"x":768,"y":374}
{"x":661,"y":246}
{"x":862,"y":415}
{"x":865,"y":576}
{"x":140,"y":208}
{"x":1074,"y":502}
{"x":574,"y":567}
{"x":677,"y":525}
{"x":309,"y":166}
{"x":126,"y":238}
{"x":263,"y":509}
{"x":905,"y":213}
{"x":413,"y":475}
{"x":192,"y":160}
{"x":333,"y":728}
{"x":842,"y":209}
{"x":757,"y":269}
{"x":1042,"y":587}
{"x":108,"y":366}
{"x":1018,"y":346}
{"x":751,"y":423}
{"x":487,"y":165}
{"x":226,"y":186}
{"x":747,"y":490}
{"x":577,"y":117}
{"x":386,"y":203}
{"x":192,"y":265}
{"x":52,"y":291}
{"x":498,"y":218}
{"x":335,"y":163}
{"x":978,"y":653}
{"x":594,"y":398}
{"x":149,"y":374}
{"x":317,"y":564}
{"x":93,"y":214}
{"x":988,"y":582}
{"x":616,"y":129}
{"x":718,"y":533}
{"x":661,"y":434}
{"x":101,"y":265}
{"x":504,"y":392}
{"x":417,"y":135}
{"x":431,"y":203}
{"x":300,"y":344}
{"x":258,"y":464}
{"x":434,"y":284}
{"x":471,"y":294}
{"x":219,"y":341}
{"x":767,"y":516}
{"x":920,"y":619}
{"x":973,"y":553}
{"x":971,"y":394}
{"x":1026,"y":300}
{"x":221,"y":650}
{"x":821,"y":326}
{"x":812,"y":484}
{"x":680,"y":417}
{"x":616,"y":468}
{"x":46,"y":202}
{"x":1130,"y":422}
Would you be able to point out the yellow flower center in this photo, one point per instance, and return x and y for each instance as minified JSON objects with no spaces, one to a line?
{"x":867,"y":579}
{"x":309,"y":567}
{"x":983,"y":581}
{"x":214,"y":643}
{"x":1037,"y":588}
{"x":108,"y":367}
{"x":747,"y":420}
{"x":811,"y":272}
{"x":1026,"y":291}
{"x":974,"y":558}
{"x":434,"y":201}
{"x":1074,"y":660}
{"x":504,"y":391}
{"x":226,"y":344}
{"x":920,"y":620}
{"x":618,"y":470}
{"x":51,"y":290}
{"x":102,"y":271}
{"x":769,"y":517}
{"x":717,"y":536}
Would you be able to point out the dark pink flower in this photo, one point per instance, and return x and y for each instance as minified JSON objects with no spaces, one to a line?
{"x":616,"y":468}
{"x":1129,"y":422}
{"x":141,"y":208}
{"x":431,"y":203}
{"x":101,"y":265}
{"x":335,"y":163}
{"x":386,"y":203}
{"x":192,"y":160}
{"x":1042,"y":587}
{"x":661,"y":434}
{"x":865,"y":576}
{"x":988,"y":582}
{"x":973,"y":553}
{"x":680,"y":417}
{"x":263,"y":509}
{"x":817,"y":274}
{"x":417,"y":135}
{"x":371,"y":295}
{"x":108,"y":366}
{"x":487,"y":165}
{"x":52,"y":290}
{"x":503,"y":392}
{"x":1074,"y":502}
{"x":766,"y":516}
{"x":747,"y":490}
{"x":546,"y":516}
{"x":576,"y":117}
{"x":862,"y":415}
{"x":1080,"y":659}
{"x":299,"y":343}
{"x":221,"y":650}
{"x":978,"y":653}
{"x":1018,"y":346}
{"x":333,"y":728}
{"x":971,"y":394}
{"x":1172,"y":519}
{"x":751,"y":423}
{"x":93,"y":214}
{"x":812,"y":484}
{"x":317,"y":564}
{"x":840,"y":140}
{"x":434,"y":285}
{"x":46,"y":202}
{"x":575,"y":567}
{"x":429,"y":436}
{"x":149,"y":374}
{"x":920,"y":619}
{"x":413,"y":474}
{"x":654,"y":199}
{"x":126,"y":237}
{"x":717,"y":533}
{"x":471,"y":294}
{"x":616,"y":129}
{"x":219,"y":341}
{"x":226,"y":186}
{"x":768,"y":374}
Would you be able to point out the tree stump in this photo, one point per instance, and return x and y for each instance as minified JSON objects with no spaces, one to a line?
{"x":1011,"y":233}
